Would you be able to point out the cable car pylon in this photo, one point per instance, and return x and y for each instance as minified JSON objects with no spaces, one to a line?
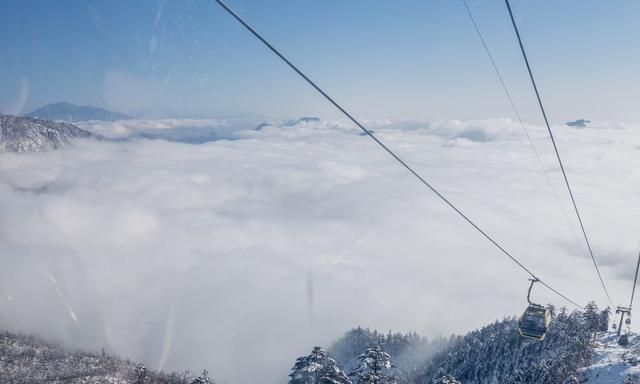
{"x":627,"y":310}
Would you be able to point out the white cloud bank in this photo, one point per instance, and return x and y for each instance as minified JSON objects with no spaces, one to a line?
{"x":200,"y":256}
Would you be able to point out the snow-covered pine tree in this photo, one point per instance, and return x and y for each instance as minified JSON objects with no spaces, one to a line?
{"x":572,"y":380}
{"x":410,"y":351}
{"x":202,"y":379}
{"x":140,"y":374}
{"x":448,"y":379}
{"x":317,"y":368}
{"x":592,"y":318}
{"x":374,"y":368}
{"x":604,"y":320}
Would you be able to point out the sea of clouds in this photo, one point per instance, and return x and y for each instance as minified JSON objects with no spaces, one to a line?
{"x":209,"y":244}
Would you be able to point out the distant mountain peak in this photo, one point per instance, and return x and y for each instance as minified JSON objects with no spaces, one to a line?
{"x":302,"y":120}
{"x":261,"y":126}
{"x":306,"y":119}
{"x":288,"y":123}
{"x":28,"y":134}
{"x":66,"y":111}
{"x":580,"y":123}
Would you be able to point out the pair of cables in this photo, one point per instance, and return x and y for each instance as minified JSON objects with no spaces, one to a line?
{"x":421,"y":179}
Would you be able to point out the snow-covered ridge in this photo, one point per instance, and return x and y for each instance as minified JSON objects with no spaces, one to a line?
{"x":31,"y":360}
{"x":612,"y":363}
{"x":26,"y":134}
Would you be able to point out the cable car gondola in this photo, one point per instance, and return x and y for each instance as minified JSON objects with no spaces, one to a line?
{"x":535,"y":320}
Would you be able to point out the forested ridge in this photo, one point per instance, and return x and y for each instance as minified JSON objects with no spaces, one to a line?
{"x":495,"y":353}
{"x":492,"y":354}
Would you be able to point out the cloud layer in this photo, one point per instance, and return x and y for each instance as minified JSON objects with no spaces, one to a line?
{"x":247,"y":249}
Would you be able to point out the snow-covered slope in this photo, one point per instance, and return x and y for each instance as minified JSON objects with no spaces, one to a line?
{"x":31,"y":360}
{"x":26,"y":134}
{"x":611,"y":363}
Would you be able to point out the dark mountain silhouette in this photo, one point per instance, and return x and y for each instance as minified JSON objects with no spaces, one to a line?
{"x":70,"y":112}
{"x":580,"y":123}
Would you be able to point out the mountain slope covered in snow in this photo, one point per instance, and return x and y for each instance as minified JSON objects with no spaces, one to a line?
{"x":612,"y":363}
{"x":493,"y":354}
{"x":496,"y":353}
{"x":26,"y":134}
{"x":28,"y":359}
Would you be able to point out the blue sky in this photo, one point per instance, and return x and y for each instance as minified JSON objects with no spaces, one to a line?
{"x":382,"y":59}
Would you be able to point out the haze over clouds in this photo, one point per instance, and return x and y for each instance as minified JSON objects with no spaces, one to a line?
{"x":201,"y":256}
